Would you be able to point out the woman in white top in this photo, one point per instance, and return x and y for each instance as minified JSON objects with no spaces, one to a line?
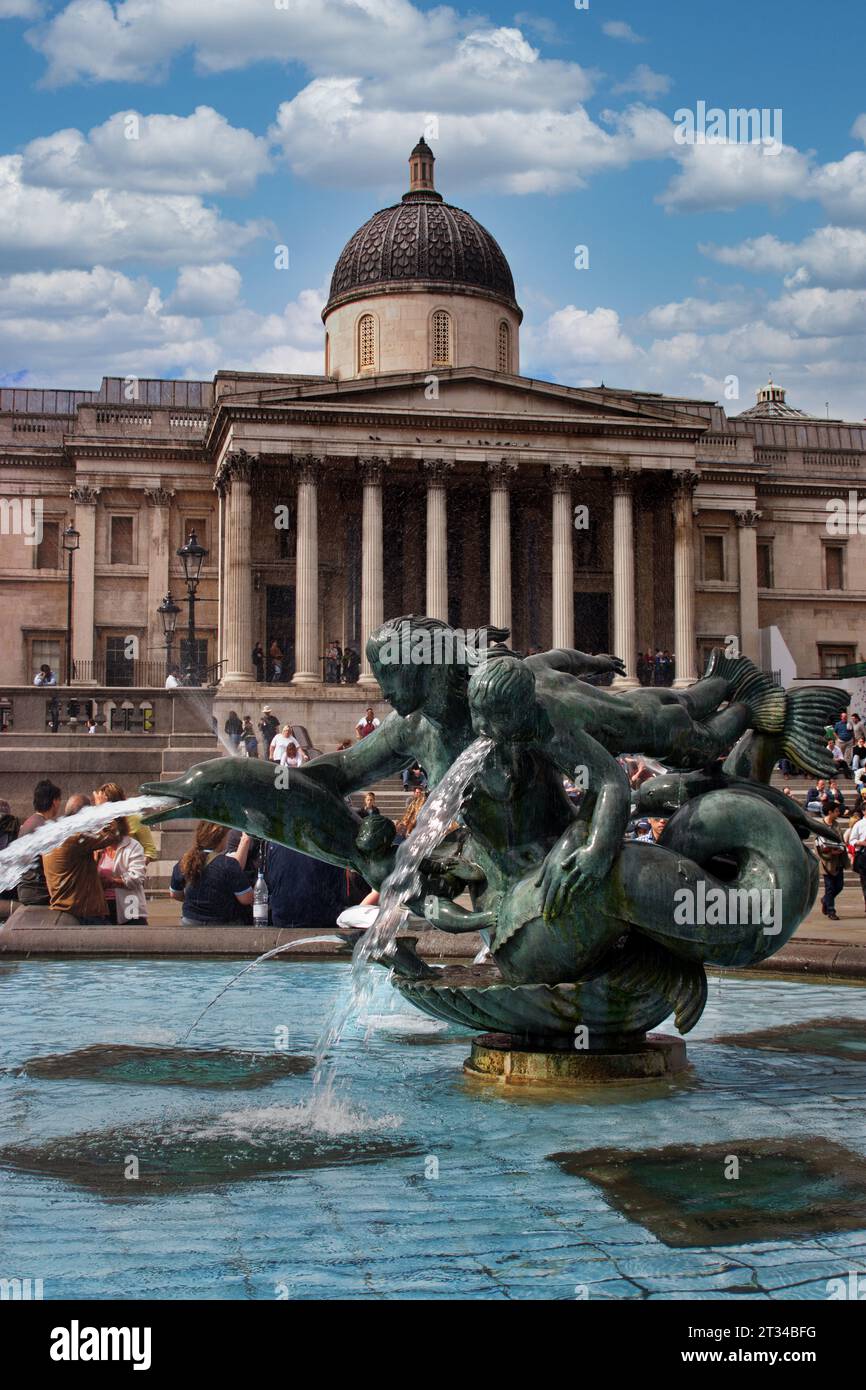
{"x":286,"y":750}
{"x":122,"y":873}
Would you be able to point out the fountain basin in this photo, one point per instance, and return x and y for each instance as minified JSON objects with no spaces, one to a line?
{"x":500,"y":1057}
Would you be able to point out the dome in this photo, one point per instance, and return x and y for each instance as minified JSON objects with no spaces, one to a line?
{"x":771,"y":405}
{"x":421,"y":240}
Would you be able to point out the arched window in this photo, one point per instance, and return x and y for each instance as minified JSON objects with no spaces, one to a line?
{"x":504,"y":348}
{"x":440,"y":332}
{"x":366,"y":341}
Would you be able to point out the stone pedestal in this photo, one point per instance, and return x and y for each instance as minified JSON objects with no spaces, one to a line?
{"x":498,"y":1057}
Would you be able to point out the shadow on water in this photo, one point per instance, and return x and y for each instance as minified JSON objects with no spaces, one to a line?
{"x":684,"y":1195}
{"x":167,"y":1066}
{"x":126,"y":1164}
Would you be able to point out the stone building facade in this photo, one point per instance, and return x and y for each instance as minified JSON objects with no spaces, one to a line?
{"x":421,"y":472}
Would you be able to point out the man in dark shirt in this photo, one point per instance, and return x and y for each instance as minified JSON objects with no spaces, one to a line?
{"x":304,"y":892}
{"x":32,"y":888}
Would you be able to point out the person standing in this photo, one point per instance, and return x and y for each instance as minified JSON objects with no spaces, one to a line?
{"x":258,"y":660}
{"x":832,"y":857}
{"x":844,"y":731}
{"x":249,"y":739}
{"x":269,"y":725}
{"x":9,"y":825}
{"x":32,"y":888}
{"x":283,"y":745}
{"x":234,"y":729}
{"x":856,"y":838}
{"x":276,"y":655}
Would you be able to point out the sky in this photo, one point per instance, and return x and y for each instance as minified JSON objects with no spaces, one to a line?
{"x":157,"y":155}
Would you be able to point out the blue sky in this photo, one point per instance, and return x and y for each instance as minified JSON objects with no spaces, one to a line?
{"x":256,"y":123}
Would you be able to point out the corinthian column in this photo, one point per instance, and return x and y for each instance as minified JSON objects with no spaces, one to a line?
{"x":437,"y":538}
{"x":159,"y":501}
{"x":622,"y":483}
{"x":562,"y":593}
{"x":747,"y":523}
{"x":684,"y":579}
{"x":500,"y":475}
{"x":84,"y":579}
{"x":307,"y":664}
{"x":371,"y":559}
{"x":235,"y":477}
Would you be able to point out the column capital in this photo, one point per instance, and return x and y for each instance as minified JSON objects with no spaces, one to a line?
{"x":237,"y":467}
{"x":560,"y":476}
{"x":500,"y":474}
{"x":308,"y":467}
{"x":159,"y":496}
{"x":84,"y":495}
{"x":372,"y":468}
{"x":622,"y":480}
{"x":437,"y":470}
{"x":747,"y":518}
{"x":685,"y":481}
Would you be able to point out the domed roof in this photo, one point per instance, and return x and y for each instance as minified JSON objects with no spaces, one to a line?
{"x":421,"y":239}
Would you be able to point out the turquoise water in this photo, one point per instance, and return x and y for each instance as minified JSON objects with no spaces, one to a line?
{"x":410,"y":1179}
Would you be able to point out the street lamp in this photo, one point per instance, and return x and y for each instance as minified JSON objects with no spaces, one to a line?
{"x":192,"y":557}
{"x":71,"y":542}
{"x":168,"y":612}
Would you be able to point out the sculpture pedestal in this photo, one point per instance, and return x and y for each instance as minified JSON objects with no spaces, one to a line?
{"x":498,"y":1057}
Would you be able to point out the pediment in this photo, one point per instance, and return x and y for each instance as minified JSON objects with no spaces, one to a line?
{"x":471,"y":391}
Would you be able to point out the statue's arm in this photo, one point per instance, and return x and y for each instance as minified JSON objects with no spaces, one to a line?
{"x":575,"y":663}
{"x":578,"y":861}
{"x":380,"y":754}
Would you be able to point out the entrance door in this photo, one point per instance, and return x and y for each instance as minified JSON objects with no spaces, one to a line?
{"x":281,"y":624}
{"x":592,"y":623}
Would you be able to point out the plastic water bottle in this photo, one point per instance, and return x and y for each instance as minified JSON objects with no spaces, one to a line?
{"x":260,"y":901}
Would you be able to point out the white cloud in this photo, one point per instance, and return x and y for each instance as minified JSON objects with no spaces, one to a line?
{"x":329,"y":128}
{"x":206,"y":289}
{"x":69,"y":328}
{"x":724,"y":176}
{"x":821,"y":312}
{"x":832,"y":256}
{"x":571,"y":337}
{"x":20,"y":9}
{"x":690,"y":314}
{"x":644,"y":82}
{"x":47,"y":226}
{"x":197,"y":154}
{"x":619,"y":29}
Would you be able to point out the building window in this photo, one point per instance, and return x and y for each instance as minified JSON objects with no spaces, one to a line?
{"x":193,"y":654}
{"x":832,"y":659}
{"x":714,"y":558}
{"x":48,"y":550}
{"x":121,"y":541}
{"x":504,"y":348}
{"x":765,"y":564}
{"x":197,"y":524}
{"x":119,"y":664}
{"x":440,"y":329}
{"x":706,"y":646}
{"x":834,"y":566}
{"x":586,"y":546}
{"x":45,"y":651}
{"x":327,"y":354}
{"x":366,"y":341}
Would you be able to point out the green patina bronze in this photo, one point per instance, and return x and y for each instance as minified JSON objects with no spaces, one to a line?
{"x":585,"y":929}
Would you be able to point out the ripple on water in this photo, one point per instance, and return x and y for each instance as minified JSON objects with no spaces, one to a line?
{"x":236,"y":1146}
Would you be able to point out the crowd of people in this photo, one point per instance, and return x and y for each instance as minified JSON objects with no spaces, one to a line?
{"x":341,"y":666}
{"x":656,"y":668}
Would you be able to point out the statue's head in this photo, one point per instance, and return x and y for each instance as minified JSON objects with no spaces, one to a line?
{"x":375,"y":836}
{"x":420,"y":663}
{"x":502,"y":701}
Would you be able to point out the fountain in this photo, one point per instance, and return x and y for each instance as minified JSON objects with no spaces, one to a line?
{"x":594,"y":940}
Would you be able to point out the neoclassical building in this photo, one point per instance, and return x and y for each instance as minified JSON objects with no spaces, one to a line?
{"x":421,"y":472}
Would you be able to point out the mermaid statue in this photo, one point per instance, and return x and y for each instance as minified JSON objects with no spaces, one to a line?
{"x":585,"y":928}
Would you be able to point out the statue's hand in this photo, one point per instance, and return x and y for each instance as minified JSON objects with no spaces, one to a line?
{"x":567,"y":873}
{"x":604,"y":662}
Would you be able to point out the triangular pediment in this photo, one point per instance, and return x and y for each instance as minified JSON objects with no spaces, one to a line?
{"x":471,"y":391}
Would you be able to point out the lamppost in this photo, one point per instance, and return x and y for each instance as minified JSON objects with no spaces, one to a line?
{"x":192,"y":556}
{"x":168,"y":612}
{"x":71,"y":542}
